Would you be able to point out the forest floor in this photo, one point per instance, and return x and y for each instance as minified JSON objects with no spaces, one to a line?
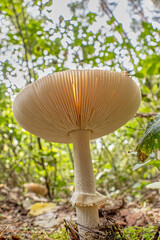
{"x":18,"y":220}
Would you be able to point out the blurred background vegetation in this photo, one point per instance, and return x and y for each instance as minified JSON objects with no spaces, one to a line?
{"x":33,"y":44}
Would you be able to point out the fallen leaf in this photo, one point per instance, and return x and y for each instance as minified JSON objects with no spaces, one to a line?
{"x":15,"y":237}
{"x":2,"y":238}
{"x":40,"y":208}
{"x":47,"y":220}
{"x":134,"y":218}
{"x":155,"y":185}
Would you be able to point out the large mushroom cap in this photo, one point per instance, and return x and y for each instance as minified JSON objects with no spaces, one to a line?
{"x":98,"y":100}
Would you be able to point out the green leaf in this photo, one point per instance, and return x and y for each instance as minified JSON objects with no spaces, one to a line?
{"x":112,"y":19}
{"x":155,"y":185}
{"x":154,"y":163}
{"x":48,"y":3}
{"x":139,"y":75}
{"x":119,"y":28}
{"x":137,"y":166}
{"x":91,"y":17}
{"x":151,"y":139}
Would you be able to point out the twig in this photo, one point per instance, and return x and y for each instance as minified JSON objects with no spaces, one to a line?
{"x":69,"y":227}
{"x":139,"y":129}
{"x":96,"y":232}
{"x":119,"y":231}
{"x":156,"y":236}
{"x":3,"y":231}
{"x":145,"y":115}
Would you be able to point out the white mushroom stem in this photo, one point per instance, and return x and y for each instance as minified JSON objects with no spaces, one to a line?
{"x":87,"y":213}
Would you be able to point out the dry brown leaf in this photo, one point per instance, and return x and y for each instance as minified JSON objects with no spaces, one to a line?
{"x":3,"y":238}
{"x":15,"y":237}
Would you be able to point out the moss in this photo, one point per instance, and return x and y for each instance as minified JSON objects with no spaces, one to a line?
{"x":61,"y":234}
{"x":145,"y":233}
{"x":35,"y":233}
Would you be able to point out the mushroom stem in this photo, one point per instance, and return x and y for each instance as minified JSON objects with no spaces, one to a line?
{"x":87,"y":214}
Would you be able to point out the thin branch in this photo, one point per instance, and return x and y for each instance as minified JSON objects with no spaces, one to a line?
{"x":23,"y":40}
{"x":145,"y":115}
{"x":139,"y":129}
{"x":28,"y":40}
{"x":110,"y":14}
{"x":140,"y":12}
{"x":26,"y":29}
{"x":157,"y":4}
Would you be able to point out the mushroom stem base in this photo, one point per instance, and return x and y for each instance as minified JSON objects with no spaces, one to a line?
{"x":87,"y":217}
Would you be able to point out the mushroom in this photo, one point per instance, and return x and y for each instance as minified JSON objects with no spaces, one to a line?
{"x":36,"y":188}
{"x":75,"y":106}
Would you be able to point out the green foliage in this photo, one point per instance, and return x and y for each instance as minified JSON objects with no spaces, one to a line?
{"x":32,"y":44}
{"x":151,"y":139}
{"x":19,"y":149}
{"x":153,"y":163}
{"x":148,"y":144}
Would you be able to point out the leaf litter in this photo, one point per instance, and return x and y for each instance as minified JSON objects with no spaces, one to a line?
{"x":17,"y":224}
